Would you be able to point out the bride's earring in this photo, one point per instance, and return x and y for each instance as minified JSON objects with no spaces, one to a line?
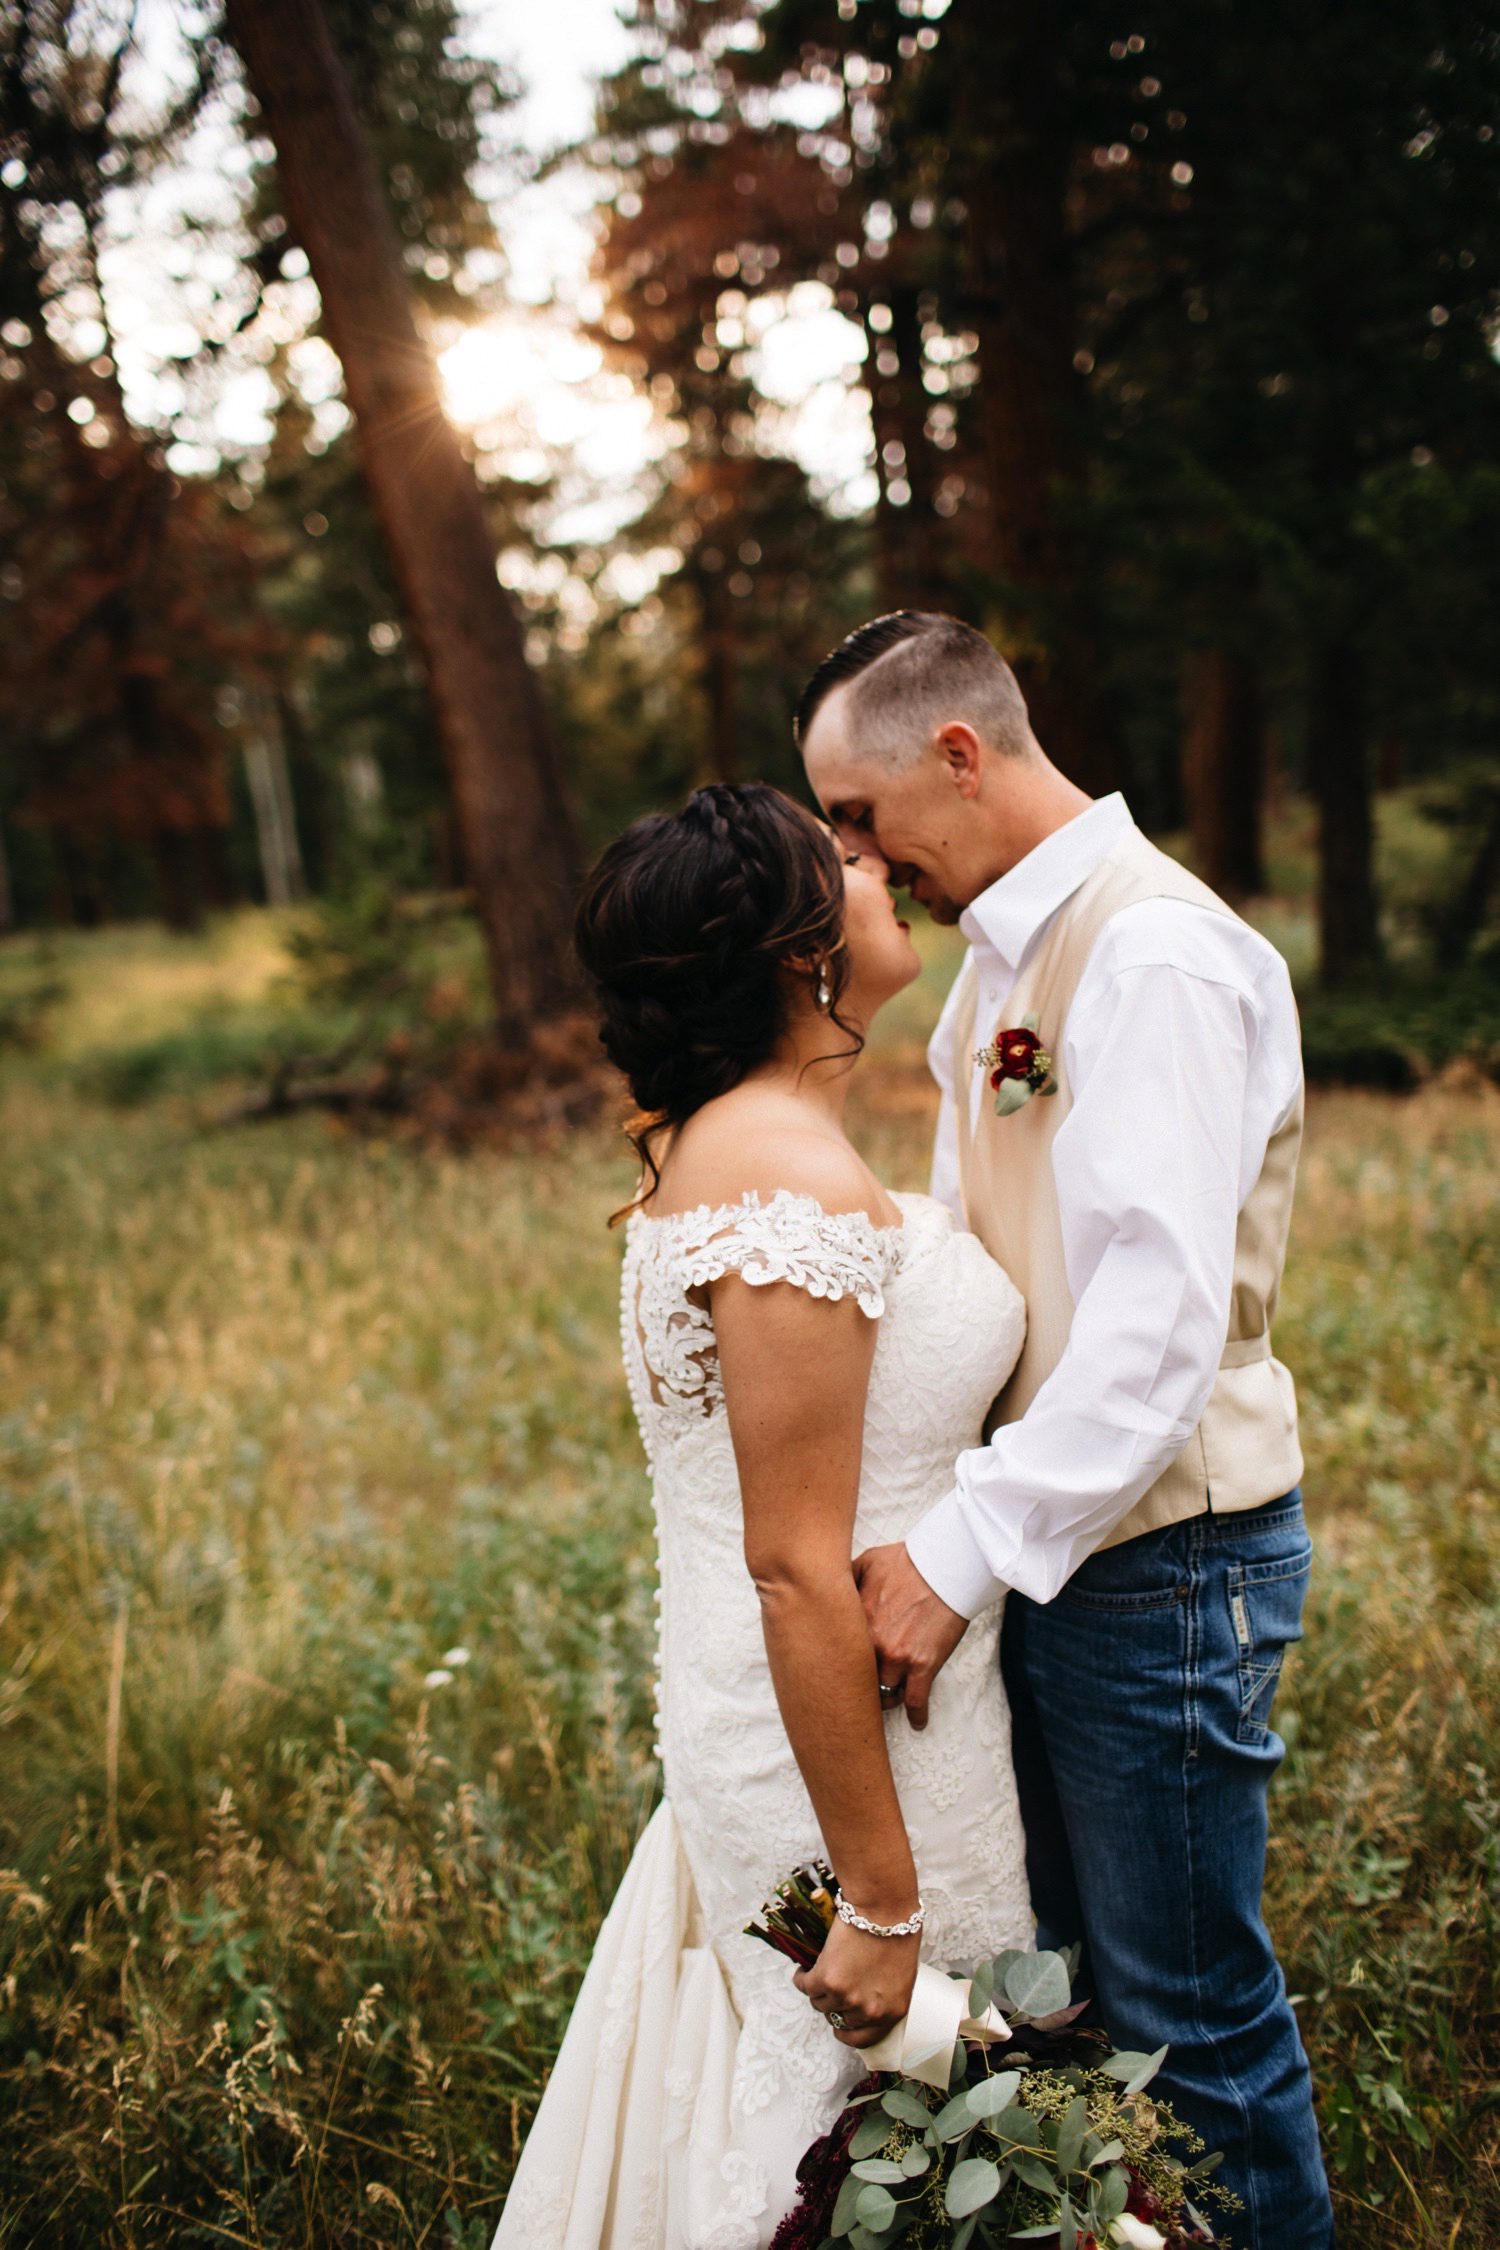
{"x":825,"y":989}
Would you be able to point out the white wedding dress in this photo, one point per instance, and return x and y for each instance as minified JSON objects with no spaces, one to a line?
{"x":694,"y":2074}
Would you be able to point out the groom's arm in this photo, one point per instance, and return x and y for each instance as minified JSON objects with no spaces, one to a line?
{"x":1179,"y":1076}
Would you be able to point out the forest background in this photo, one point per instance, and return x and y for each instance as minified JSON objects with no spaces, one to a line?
{"x":350,"y":595}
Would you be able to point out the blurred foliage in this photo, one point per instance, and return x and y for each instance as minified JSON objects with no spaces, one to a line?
{"x":1398,"y":1034}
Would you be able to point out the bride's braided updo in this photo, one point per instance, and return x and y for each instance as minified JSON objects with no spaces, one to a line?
{"x":694,"y":927}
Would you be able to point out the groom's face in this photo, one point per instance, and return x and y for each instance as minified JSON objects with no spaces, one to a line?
{"x":907,"y":815}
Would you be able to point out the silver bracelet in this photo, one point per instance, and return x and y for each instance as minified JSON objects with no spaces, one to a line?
{"x":909,"y":1928}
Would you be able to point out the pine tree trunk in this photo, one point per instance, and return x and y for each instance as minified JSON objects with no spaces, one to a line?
{"x":517,"y":836}
{"x":1339,"y":768}
{"x":908,"y":533}
{"x":275,"y":827}
{"x":1014,"y":129}
{"x":1223,"y":751}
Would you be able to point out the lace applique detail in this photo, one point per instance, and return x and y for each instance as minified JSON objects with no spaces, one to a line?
{"x":537,"y":2210}
{"x":832,"y":1254}
{"x":672,"y":1355}
{"x":747,"y":2191}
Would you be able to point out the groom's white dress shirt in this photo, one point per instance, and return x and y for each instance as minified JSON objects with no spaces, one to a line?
{"x":1183,"y":1056}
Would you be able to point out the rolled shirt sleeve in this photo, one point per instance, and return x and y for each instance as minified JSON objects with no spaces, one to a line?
{"x":1151,"y":1166}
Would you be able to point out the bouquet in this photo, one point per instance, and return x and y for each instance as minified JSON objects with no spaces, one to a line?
{"x":1060,"y":2146}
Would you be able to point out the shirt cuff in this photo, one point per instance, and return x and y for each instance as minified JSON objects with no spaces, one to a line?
{"x":945,"y":1551}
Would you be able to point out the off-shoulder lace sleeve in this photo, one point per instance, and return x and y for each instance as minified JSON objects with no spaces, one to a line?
{"x":833,"y":1254}
{"x":670,"y":1350}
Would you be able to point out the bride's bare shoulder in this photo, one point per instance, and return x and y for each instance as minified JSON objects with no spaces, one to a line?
{"x":758,"y":1142}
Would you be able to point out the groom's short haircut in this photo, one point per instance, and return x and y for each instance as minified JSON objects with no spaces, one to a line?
{"x":908,"y":674}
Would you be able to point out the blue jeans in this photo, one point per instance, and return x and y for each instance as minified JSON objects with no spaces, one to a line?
{"x":1140,"y":1699}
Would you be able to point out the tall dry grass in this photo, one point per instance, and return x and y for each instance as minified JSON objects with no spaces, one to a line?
{"x":324,"y":1657}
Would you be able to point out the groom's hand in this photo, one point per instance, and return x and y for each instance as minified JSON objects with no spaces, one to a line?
{"x":914,"y":1630}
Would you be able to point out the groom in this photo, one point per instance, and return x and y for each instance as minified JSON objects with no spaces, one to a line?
{"x":1129,"y":1158}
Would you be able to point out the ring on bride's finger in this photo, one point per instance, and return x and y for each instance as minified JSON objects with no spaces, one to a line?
{"x":835,"y":2019}
{"x":892,"y":1687}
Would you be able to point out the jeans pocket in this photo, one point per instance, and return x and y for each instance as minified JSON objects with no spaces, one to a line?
{"x":1265,"y":1615}
{"x":1139,"y":1574}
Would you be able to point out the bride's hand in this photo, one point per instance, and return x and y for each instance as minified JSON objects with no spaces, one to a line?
{"x":867,"y":1981}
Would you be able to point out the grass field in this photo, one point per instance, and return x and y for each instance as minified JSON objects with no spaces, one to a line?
{"x":325,"y":1600}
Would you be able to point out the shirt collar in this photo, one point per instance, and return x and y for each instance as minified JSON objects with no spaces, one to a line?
{"x":1004,"y":919}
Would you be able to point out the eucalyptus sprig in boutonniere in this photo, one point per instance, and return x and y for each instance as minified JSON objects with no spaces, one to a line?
{"x":1018,"y":1065}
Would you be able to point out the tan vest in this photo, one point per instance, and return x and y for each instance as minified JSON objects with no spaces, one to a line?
{"x":1245,"y":1449}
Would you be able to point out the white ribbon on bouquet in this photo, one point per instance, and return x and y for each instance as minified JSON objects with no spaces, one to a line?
{"x":921,"y":2044}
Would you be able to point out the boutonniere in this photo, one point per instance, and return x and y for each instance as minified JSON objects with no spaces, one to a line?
{"x":1019,"y":1066}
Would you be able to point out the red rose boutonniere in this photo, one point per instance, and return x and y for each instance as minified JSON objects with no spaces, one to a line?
{"x":1018,"y":1065}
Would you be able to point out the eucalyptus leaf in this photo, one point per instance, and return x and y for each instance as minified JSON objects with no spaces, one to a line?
{"x":870,"y":2134}
{"x":953,"y":2118}
{"x":1017,"y":2127}
{"x":982,"y":1989}
{"x":1071,"y":2131}
{"x":914,"y":2162}
{"x":965,"y":2234}
{"x":1033,"y":2171}
{"x":844,"y":2209}
{"x":1147,"y":2072}
{"x":992,"y":2095}
{"x":1033,"y":2234}
{"x":878,"y":2168}
{"x":1031,"y":1023}
{"x":1067,"y":2226}
{"x":1129,"y":2063}
{"x":1205,"y":2165}
{"x":1109,"y":2154}
{"x":876,"y":2208}
{"x":1014,"y":1094}
{"x":1037,"y":1984}
{"x":974,"y":2182}
{"x":1112,"y":2194}
{"x":897,"y":2102}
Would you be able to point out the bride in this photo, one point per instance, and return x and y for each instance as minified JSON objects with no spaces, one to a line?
{"x":806,"y":1354}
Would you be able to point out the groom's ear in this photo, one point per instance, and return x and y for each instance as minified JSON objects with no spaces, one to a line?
{"x":962,"y":754}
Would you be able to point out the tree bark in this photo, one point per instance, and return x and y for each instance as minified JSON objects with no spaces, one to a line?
{"x":516,"y":832}
{"x":275,"y":823}
{"x":908,"y":542}
{"x":1467,"y":915}
{"x":1223,"y":747}
{"x":1339,"y":765}
{"x":1014,"y":128}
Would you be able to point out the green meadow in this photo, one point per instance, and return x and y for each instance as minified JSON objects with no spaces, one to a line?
{"x":325,"y":1629}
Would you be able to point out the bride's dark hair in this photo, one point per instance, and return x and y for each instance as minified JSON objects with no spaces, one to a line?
{"x":688,"y":927}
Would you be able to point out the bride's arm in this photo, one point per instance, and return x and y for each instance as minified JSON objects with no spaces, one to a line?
{"x":796,"y":1370}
